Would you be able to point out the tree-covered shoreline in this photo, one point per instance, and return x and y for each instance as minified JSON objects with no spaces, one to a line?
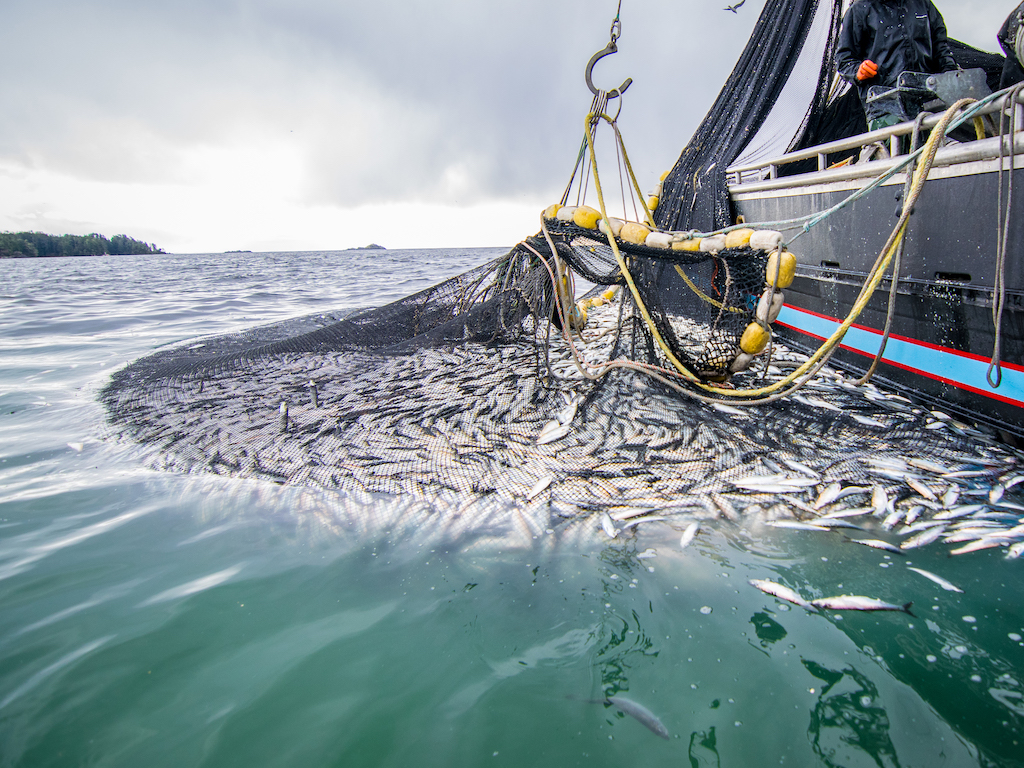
{"x":15,"y":245}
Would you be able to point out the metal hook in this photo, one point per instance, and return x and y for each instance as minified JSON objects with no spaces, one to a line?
{"x":608,"y":50}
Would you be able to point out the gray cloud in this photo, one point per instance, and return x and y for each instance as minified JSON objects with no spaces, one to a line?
{"x":392,"y":100}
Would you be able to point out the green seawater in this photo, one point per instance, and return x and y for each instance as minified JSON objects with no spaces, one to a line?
{"x":151,"y":619}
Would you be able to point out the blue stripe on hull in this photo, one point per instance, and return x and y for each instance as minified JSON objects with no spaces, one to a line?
{"x":934,"y":362}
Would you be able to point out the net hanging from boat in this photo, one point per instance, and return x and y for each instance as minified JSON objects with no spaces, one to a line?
{"x":474,"y":387}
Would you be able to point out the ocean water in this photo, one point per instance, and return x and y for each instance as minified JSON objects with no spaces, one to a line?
{"x":157,"y":619}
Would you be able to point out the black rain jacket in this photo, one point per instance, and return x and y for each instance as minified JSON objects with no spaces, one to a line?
{"x":1013,"y":70}
{"x":898,"y":35}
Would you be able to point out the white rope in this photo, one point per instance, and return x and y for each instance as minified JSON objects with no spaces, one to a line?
{"x":1007,"y":135}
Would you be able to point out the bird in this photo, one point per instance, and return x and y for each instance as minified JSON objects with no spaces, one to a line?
{"x":734,"y":7}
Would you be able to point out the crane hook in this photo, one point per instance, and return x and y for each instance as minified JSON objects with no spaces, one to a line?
{"x":608,"y":50}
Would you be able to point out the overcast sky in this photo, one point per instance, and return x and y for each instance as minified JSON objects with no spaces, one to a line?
{"x":209,"y":125}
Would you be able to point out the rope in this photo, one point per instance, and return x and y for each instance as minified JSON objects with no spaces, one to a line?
{"x":894,"y":286}
{"x":686,"y":372}
{"x":805,"y":223}
{"x":808,"y":369}
{"x":878,"y":271}
{"x":703,"y":296}
{"x":1007,"y":116}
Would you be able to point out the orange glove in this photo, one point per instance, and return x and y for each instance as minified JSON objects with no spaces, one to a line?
{"x":868,"y":69}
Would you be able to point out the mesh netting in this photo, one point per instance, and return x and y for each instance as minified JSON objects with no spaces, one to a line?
{"x":451,"y":390}
{"x":475,"y":389}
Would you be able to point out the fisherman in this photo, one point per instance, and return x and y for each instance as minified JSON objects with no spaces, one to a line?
{"x":1011,"y":38}
{"x":882,"y":38}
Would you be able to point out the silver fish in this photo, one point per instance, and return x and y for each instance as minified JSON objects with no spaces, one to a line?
{"x":950,"y":497}
{"x":553,"y":431}
{"x":835,"y":522}
{"x":688,"y":534}
{"x":929,"y":466}
{"x":858,"y":603}
{"x":925,"y":537}
{"x":922,"y":525}
{"x":894,"y":517}
{"x":608,"y":526}
{"x":640,"y":713}
{"x":967,"y":473}
{"x":732,"y":411}
{"x":879,"y":500}
{"x":827,"y":496}
{"x":774,"y":483}
{"x":815,"y":402}
{"x":843,"y":513}
{"x":988,"y":542}
{"x":543,"y":483}
{"x":896,"y":465}
{"x":796,"y":525}
{"x":725,"y":506}
{"x":937,"y":579}
{"x":850,"y":490}
{"x":1011,"y":481}
{"x":802,"y":468}
{"x":921,"y":488}
{"x":638,"y":520}
{"x":867,"y":421}
{"x":1009,"y":505}
{"x":962,"y":511}
{"x":781,"y":592}
{"x":877,"y":544}
{"x":567,"y":414}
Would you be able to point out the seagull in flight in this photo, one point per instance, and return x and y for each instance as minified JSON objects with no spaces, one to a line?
{"x":734,"y":7}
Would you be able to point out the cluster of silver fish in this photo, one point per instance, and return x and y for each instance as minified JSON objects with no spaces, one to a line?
{"x":520,"y":425}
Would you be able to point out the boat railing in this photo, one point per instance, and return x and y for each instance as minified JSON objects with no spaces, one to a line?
{"x":767,"y":171}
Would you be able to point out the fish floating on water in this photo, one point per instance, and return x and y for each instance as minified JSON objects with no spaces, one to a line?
{"x":781,"y":592}
{"x":640,"y":713}
{"x":937,"y":579}
{"x":840,"y":603}
{"x":637,"y":711}
{"x":858,"y":603}
{"x":688,"y":534}
{"x":878,"y":544}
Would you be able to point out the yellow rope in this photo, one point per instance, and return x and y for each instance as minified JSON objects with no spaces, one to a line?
{"x":877,"y":273}
{"x":874,"y":277}
{"x":686,"y":372}
{"x":704,"y":296}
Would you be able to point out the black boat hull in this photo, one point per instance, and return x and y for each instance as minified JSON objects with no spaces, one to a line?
{"x":943,"y":334}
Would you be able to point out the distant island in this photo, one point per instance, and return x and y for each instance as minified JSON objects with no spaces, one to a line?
{"x":27,"y":245}
{"x":370,"y":247}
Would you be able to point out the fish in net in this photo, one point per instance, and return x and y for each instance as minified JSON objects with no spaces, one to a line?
{"x":470,"y":389}
{"x":590,"y":417}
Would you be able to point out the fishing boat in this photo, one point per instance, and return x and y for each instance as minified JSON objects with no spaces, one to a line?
{"x":957,"y":324}
{"x":952,"y":331}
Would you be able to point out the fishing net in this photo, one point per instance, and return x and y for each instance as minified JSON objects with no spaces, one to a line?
{"x":504,"y":384}
{"x":449,"y":392}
